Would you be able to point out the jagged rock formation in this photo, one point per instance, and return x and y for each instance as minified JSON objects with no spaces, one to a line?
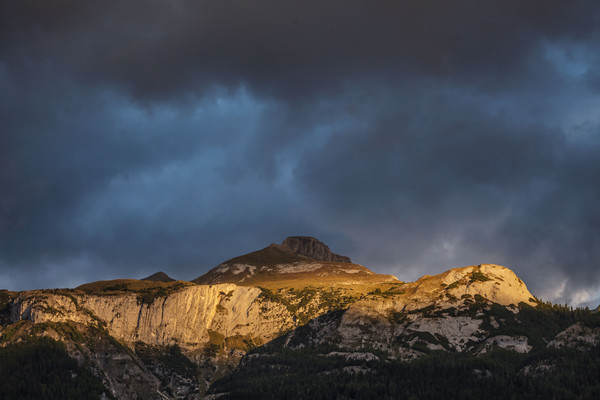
{"x":159,"y":277}
{"x":312,"y":248}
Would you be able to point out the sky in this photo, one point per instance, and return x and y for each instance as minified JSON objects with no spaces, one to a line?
{"x":413,"y":137}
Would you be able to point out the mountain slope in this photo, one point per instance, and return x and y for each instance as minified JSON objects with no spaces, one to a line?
{"x":276,"y":267}
{"x":312,"y":248}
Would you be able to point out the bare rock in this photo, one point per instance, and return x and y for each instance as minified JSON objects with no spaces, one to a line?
{"x":185,"y":317}
{"x":312,"y":248}
{"x":577,"y":335}
{"x":518,"y":344}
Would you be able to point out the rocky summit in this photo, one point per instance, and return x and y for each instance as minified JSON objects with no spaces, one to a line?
{"x":312,"y":248}
{"x":159,"y":277}
{"x":287,"y":306}
{"x":296,"y":263}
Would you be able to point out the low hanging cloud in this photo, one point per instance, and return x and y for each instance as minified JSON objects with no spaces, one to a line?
{"x":413,"y":137}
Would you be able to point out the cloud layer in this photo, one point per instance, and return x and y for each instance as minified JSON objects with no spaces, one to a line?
{"x":413,"y":137}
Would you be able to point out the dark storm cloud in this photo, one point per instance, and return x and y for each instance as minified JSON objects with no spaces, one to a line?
{"x":163,"y":48}
{"x":412,"y":136}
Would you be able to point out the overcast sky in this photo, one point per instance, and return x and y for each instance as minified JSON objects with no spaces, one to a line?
{"x":412,"y":136}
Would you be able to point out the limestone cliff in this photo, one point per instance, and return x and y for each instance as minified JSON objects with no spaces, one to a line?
{"x":187,"y":317}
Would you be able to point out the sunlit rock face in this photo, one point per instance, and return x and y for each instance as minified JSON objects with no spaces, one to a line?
{"x":184,"y":317}
{"x":442,"y":312}
{"x":189,"y":315}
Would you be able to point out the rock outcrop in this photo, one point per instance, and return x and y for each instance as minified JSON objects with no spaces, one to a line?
{"x":311,"y":247}
{"x":190,"y":317}
{"x":437,"y":307}
{"x":159,"y":277}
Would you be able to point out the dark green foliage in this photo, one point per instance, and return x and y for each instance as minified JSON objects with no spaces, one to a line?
{"x":334,"y":300}
{"x":5,"y":297}
{"x":386,"y":293}
{"x":475,"y":276}
{"x":66,"y":330}
{"x":425,"y":311}
{"x":397,"y":317}
{"x":169,"y":358}
{"x":306,"y":303}
{"x":277,"y":298}
{"x":308,"y":374}
{"x":42,"y":369}
{"x":117,"y":287}
{"x":242,"y":342}
{"x":148,"y":295}
{"x":453,"y":285}
{"x":145,"y":295}
{"x":307,"y":333}
{"x":478,"y":276}
{"x":539,"y":324}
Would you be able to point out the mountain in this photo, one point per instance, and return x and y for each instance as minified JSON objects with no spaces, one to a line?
{"x":159,"y":277}
{"x":312,"y":248}
{"x":297,"y":262}
{"x":274,"y":322}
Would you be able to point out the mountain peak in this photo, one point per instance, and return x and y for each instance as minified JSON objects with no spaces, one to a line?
{"x":311,"y":247}
{"x":159,"y":277}
{"x":298,"y":261}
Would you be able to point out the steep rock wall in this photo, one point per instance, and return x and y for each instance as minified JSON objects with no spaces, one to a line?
{"x":186,"y":317}
{"x":312,"y":248}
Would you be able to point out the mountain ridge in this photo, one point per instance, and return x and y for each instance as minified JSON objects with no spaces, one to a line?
{"x":274,"y":301}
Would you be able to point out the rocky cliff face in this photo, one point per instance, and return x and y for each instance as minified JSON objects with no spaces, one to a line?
{"x":447,"y":308}
{"x":188,"y":317}
{"x":196,"y":316}
{"x":312,"y":248}
{"x":214,"y":325}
